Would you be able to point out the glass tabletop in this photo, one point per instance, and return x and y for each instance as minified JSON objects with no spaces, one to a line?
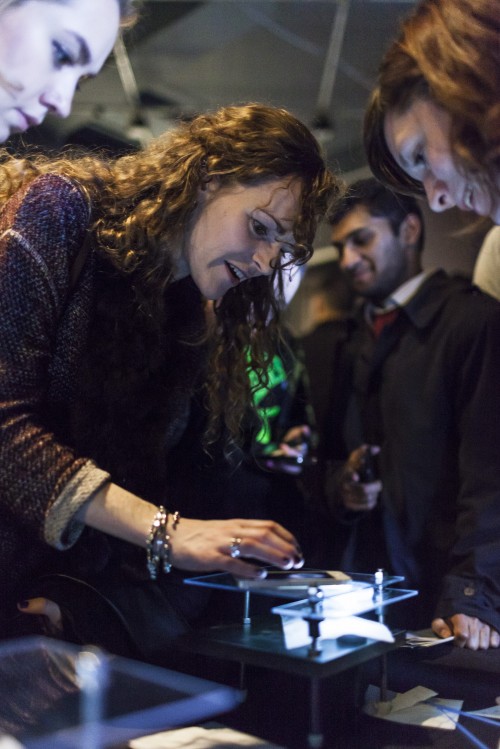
{"x":358,"y":601}
{"x":295,"y":584}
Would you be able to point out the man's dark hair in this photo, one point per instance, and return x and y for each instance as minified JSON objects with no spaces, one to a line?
{"x":380,"y":202}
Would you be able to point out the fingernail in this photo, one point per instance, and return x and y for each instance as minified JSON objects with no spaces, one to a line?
{"x":23,"y":604}
{"x":260,"y":574}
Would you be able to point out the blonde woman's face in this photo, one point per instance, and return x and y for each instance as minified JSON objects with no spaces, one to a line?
{"x":239,"y":232}
{"x":419,"y":142}
{"x":45,"y":49}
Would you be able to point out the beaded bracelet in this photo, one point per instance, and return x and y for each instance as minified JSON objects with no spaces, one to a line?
{"x":167,"y":563}
{"x":155,"y":542}
{"x":176,"y":516}
{"x":158,"y":543}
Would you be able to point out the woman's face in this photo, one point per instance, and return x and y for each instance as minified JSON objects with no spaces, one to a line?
{"x":238,"y":232}
{"x":419,"y":141}
{"x":45,"y":48}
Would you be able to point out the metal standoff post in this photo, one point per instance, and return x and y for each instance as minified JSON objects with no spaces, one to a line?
{"x":315,"y":600}
{"x":379,"y":597}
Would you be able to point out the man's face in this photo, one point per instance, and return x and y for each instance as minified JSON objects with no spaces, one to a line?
{"x":371,"y":255}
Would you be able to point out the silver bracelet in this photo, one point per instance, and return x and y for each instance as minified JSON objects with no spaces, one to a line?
{"x":176,"y":516}
{"x":155,"y":542}
{"x":167,"y":562}
{"x":158,"y":543}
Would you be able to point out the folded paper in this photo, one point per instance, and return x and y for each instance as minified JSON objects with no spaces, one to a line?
{"x":297,"y":635}
{"x":417,"y":707}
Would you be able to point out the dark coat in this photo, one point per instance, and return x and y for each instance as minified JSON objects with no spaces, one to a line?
{"x":427,"y":391}
{"x":322,"y":352}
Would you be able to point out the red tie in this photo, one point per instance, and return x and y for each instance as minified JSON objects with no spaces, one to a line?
{"x":382,"y":319}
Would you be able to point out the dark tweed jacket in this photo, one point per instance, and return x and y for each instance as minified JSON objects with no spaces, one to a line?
{"x":65,"y":353}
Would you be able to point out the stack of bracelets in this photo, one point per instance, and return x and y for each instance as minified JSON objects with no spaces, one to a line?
{"x":158,"y":543}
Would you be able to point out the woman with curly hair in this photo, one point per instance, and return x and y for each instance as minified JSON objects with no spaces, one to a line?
{"x":46,"y":48}
{"x":433,"y":122}
{"x":105,"y":266}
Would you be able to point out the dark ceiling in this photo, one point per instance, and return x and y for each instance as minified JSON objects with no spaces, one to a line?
{"x":318,"y":59}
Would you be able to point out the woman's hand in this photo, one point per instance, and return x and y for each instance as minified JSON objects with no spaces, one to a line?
{"x":196,"y":545}
{"x":206,"y":545}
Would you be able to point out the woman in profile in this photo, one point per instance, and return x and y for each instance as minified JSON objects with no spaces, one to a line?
{"x":433,"y":122}
{"x":105,"y":266}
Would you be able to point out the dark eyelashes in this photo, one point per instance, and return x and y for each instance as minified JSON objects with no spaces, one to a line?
{"x":419,"y":158}
{"x":357,"y":241}
{"x":259,"y":228}
{"x":360,"y":240}
{"x":287,"y":250}
{"x":60,"y":55}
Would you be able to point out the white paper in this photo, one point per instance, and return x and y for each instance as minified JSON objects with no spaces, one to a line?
{"x":417,"y":707}
{"x":348,"y":599}
{"x":196,"y":737}
{"x":404,"y":700}
{"x":296,"y":630}
{"x":487,"y":712}
{"x":425,"y":640}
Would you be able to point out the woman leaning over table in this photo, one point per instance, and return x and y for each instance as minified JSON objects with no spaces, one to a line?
{"x":99,"y":364}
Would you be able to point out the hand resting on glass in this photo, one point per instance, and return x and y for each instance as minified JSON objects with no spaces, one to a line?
{"x":196,"y":545}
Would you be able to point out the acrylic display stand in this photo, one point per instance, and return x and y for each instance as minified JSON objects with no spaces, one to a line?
{"x":58,"y":696}
{"x":260,"y":640}
{"x":316,"y":597}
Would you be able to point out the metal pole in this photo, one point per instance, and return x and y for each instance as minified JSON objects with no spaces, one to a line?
{"x":332,"y":58}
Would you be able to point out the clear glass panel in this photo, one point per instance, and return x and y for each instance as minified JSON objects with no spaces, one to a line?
{"x":294,"y":585}
{"x":57,"y":696}
{"x":350,"y":604}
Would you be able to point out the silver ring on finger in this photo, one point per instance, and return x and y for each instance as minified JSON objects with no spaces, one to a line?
{"x":235,"y":548}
